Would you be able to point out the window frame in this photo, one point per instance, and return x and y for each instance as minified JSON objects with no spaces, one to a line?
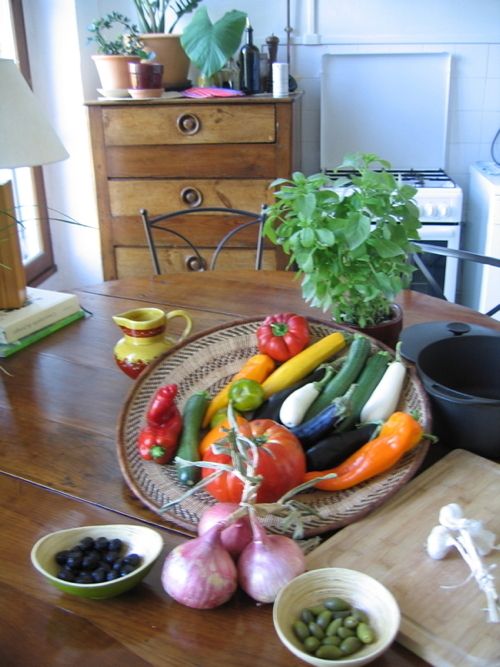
{"x":42,"y":266}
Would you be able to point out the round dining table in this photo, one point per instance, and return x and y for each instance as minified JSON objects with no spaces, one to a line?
{"x":60,"y":403}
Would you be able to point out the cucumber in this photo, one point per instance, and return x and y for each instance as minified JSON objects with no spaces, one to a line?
{"x":192,"y":417}
{"x":340,"y":383}
{"x":364,"y":387}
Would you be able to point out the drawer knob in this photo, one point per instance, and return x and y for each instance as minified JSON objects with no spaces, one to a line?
{"x":191,"y":197}
{"x":188,"y":123}
{"x":194,"y":263}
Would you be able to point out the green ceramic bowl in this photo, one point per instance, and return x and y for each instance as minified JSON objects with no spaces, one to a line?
{"x":141,"y":540}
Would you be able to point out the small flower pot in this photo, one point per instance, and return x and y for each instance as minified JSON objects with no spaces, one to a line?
{"x":146,"y":76}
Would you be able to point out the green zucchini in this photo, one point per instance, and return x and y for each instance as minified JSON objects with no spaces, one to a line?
{"x":192,"y":417}
{"x":364,"y":387}
{"x":340,"y":383}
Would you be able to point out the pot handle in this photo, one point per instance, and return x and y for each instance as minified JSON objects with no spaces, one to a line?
{"x":439,"y":391}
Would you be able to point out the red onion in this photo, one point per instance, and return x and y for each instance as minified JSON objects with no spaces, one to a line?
{"x":236,"y":536}
{"x":268,"y":563}
{"x":200,"y":573}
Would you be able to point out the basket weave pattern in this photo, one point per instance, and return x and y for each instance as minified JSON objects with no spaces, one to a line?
{"x":208,"y":362}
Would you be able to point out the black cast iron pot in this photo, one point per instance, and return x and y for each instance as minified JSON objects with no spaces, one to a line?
{"x":462,"y":376}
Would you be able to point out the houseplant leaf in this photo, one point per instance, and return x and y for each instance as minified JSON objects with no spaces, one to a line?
{"x":210,"y":45}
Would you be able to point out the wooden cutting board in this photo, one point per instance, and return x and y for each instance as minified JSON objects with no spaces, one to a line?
{"x":447,"y":627}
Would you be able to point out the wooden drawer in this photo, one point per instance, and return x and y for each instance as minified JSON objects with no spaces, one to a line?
{"x":128,"y":196}
{"x":132,"y":261}
{"x":182,"y":124}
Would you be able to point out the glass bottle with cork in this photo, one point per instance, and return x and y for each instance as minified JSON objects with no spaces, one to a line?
{"x":249,"y":62}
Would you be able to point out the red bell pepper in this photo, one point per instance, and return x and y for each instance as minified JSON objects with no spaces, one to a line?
{"x":283,"y":335}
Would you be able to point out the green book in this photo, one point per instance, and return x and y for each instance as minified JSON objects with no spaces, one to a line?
{"x":6,"y":349}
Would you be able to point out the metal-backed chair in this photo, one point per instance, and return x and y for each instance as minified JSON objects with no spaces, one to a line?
{"x":462,"y":255}
{"x":196,"y":262}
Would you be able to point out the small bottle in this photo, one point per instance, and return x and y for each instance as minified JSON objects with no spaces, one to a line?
{"x":249,"y":65}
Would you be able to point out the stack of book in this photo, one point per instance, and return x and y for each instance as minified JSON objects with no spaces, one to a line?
{"x":44,"y":312}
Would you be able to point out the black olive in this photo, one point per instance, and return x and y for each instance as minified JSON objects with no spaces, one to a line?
{"x":126,"y":569}
{"x":112,"y":575}
{"x":86,"y":544}
{"x":111,"y":556}
{"x":101,"y":544}
{"x":84,"y":578}
{"x":99,"y":575}
{"x":66,"y":575}
{"x":115,"y":545}
{"x":74,"y":560}
{"x":132,"y":559}
{"x":62,"y":557}
{"x":91,"y":561}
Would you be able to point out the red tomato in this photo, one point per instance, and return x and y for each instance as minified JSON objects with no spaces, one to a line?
{"x":281,"y":462}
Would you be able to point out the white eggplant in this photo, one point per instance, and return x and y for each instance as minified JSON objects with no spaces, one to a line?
{"x":295,"y":406}
{"x":384,"y":399}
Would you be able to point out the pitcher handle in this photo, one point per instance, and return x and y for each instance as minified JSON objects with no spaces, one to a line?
{"x":185,"y":316}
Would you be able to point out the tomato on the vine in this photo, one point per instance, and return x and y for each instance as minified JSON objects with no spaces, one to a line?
{"x":281,"y":463}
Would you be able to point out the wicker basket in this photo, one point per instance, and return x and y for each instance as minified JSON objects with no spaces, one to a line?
{"x":207,"y":362}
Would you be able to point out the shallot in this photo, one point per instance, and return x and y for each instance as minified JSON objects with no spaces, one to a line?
{"x":268,"y":563}
{"x":200,"y":573}
{"x":236,"y":535}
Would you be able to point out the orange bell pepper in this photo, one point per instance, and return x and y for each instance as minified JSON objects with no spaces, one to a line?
{"x":256,"y":368}
{"x":216,"y":433}
{"x":399,"y":434}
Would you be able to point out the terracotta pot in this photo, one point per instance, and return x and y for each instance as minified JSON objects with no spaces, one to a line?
{"x":386,"y":332}
{"x":113,"y":70}
{"x":171,"y":55}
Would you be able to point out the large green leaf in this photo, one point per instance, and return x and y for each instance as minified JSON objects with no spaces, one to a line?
{"x":210,"y":45}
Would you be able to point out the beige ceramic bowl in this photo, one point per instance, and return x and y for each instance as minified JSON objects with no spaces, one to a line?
{"x":362,"y":591}
{"x":141,"y":540}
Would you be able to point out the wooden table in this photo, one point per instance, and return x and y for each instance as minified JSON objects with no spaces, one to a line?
{"x":59,"y":406}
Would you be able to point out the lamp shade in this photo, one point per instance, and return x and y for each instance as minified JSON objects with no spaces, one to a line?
{"x":26,"y":136}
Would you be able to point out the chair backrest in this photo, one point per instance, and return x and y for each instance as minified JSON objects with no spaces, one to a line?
{"x":462,"y":255}
{"x":172,"y":223}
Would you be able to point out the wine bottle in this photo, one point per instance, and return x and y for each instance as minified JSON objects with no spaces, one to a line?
{"x":249,"y":62}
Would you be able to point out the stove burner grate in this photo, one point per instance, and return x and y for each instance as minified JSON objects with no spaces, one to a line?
{"x":419,"y":178}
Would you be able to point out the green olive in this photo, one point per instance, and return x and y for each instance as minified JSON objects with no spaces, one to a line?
{"x":331,"y":641}
{"x":316,"y":630}
{"x":351,"y":622}
{"x":345,"y":632}
{"x":329,"y":652}
{"x":365,"y":633}
{"x":324,"y":618}
{"x":301,"y":630}
{"x":337,"y":604}
{"x":307,"y":616}
{"x":333,"y":627}
{"x":360,"y":615}
{"x":350,"y":645}
{"x":311,"y":644}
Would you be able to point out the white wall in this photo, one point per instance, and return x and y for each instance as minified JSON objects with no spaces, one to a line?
{"x":470,"y":31}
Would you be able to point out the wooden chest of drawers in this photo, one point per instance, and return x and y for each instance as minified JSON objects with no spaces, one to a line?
{"x":168,"y":155}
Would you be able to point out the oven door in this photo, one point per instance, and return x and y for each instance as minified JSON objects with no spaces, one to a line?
{"x":443,"y":269}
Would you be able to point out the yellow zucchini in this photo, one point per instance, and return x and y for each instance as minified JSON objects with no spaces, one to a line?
{"x":303,"y":363}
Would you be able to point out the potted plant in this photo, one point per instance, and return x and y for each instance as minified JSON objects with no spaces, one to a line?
{"x":211,"y":45}
{"x":114,"y":54}
{"x":349,"y":238}
{"x":157,"y":21}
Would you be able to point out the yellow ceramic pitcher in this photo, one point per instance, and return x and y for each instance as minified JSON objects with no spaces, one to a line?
{"x":145,"y":337}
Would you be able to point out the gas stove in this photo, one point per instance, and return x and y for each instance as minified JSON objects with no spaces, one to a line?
{"x":438,"y":197}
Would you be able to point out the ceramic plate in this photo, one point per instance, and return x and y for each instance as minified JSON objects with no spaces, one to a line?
{"x":207,"y":362}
